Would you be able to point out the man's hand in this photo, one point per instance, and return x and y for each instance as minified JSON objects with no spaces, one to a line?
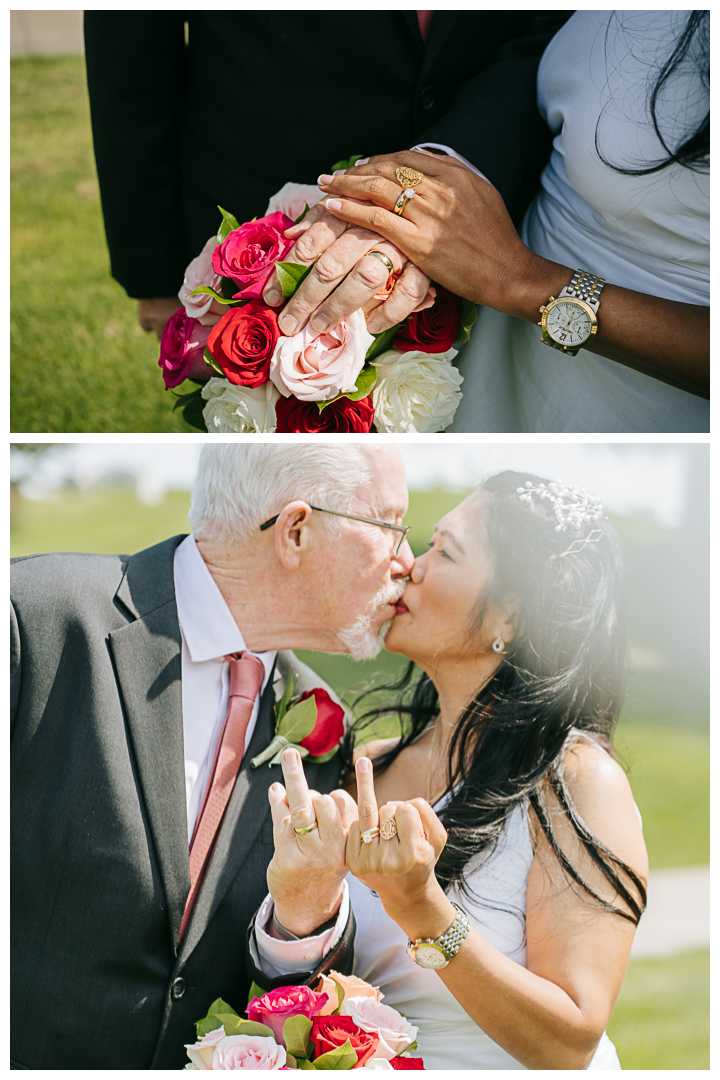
{"x":307,"y":870}
{"x":344,"y":277}
{"x":154,"y":314}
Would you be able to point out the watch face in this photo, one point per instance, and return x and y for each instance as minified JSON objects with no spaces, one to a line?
{"x":568,"y":323}
{"x":428,"y":956}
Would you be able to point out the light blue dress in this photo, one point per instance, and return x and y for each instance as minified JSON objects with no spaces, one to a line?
{"x":647,"y":233}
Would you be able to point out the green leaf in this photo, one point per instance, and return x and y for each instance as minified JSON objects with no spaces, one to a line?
{"x":290,"y":1061}
{"x":291,"y":276}
{"x":346,"y":164}
{"x":305,"y":1064}
{"x":192,"y":406}
{"x":319,"y":760}
{"x":212,"y":1019}
{"x":364,"y":382}
{"x":299,"y":219}
{"x":288,"y":693}
{"x":412,"y":1046}
{"x":467,"y":320}
{"x":255,"y":991}
{"x":383,"y":341}
{"x":211,"y":292}
{"x":296,"y":1035}
{"x":228,"y":224}
{"x":211,"y":363}
{"x":236,"y":1025}
{"x":342,"y":1057}
{"x":299,"y":721}
{"x":340,"y":993}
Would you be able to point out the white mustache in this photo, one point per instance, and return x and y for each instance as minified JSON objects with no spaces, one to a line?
{"x":389,"y":594}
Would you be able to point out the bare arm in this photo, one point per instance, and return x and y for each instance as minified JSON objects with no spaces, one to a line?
{"x":457,"y":230}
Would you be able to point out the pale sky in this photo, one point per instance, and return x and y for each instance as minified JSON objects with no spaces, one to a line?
{"x":628,"y":478}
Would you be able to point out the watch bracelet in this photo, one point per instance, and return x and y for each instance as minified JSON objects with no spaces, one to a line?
{"x":585,"y":287}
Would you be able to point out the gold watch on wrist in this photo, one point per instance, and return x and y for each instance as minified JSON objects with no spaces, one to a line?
{"x":570,"y":322}
{"x":436,"y":953}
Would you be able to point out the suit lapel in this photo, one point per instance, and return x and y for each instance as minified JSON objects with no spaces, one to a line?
{"x":441,"y":28}
{"x":411,"y":21}
{"x":147,"y":658}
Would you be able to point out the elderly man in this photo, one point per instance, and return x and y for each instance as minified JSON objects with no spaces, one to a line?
{"x":130,"y":901}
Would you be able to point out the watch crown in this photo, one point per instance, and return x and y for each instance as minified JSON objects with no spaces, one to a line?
{"x":542,"y":309}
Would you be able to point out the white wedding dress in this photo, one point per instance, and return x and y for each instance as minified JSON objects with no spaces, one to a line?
{"x":448,"y":1038}
{"x":646,"y":233}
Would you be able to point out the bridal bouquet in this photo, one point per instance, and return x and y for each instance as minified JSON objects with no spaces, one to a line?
{"x":245,"y":377}
{"x":340,"y":1024}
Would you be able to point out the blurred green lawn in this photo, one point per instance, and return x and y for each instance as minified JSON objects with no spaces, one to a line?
{"x":80,"y":361}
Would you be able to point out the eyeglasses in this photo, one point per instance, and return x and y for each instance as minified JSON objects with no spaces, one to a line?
{"x":403,"y":529}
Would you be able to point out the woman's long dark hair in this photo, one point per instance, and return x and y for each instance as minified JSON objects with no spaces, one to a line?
{"x":694,"y":151}
{"x":563,"y":671}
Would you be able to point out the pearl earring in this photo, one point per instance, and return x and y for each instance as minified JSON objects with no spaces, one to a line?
{"x":498,"y":645}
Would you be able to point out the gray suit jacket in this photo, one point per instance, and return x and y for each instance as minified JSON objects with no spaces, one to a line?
{"x":100,"y":869}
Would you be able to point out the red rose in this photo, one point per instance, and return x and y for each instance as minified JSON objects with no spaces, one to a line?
{"x":329,"y":726}
{"x":243,"y":342}
{"x":342,"y":415}
{"x":407,"y":1063}
{"x":433,"y":330}
{"x":330,"y":1032}
{"x":182,"y":350}
{"x":247,"y":255}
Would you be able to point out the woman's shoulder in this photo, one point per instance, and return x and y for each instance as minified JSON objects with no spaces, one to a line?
{"x":375,"y":748}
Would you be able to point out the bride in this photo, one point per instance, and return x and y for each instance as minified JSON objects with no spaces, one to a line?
{"x":625,"y":197}
{"x":497,"y":839}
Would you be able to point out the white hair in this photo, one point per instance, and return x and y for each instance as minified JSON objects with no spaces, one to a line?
{"x":239,"y":486}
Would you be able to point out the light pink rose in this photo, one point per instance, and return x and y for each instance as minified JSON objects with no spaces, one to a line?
{"x":249,"y":1052}
{"x":200,"y":272}
{"x":352,"y":986}
{"x":201,"y":1052}
{"x":291,"y":199}
{"x":396,"y":1034}
{"x":318,"y":367}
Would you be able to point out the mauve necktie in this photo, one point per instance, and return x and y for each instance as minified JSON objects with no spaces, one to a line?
{"x":246,"y":676}
{"x":425,"y":18}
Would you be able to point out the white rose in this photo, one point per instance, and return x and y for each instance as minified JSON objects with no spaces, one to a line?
{"x":201,"y":272}
{"x":291,"y":199}
{"x":201,"y":1052}
{"x":396,"y":1034}
{"x":249,"y":1052}
{"x":246,"y":409}
{"x":318,"y":366}
{"x":415,"y":391}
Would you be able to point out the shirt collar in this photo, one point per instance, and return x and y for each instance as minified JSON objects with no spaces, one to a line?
{"x":207,"y":624}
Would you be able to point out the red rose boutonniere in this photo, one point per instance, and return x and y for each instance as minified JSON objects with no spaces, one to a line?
{"x":313,"y":723}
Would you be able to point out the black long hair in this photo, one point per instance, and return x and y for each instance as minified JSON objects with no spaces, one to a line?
{"x":694,"y":151}
{"x":564,"y":671}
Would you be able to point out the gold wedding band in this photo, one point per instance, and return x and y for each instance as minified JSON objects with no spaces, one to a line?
{"x":388,"y":829}
{"x":383,"y":259}
{"x":409,"y":178}
{"x":403,"y":198}
{"x":369,"y":836}
{"x":306,"y":829}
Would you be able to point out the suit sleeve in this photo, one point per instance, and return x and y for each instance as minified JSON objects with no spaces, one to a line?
{"x":509,"y":144}
{"x":15,"y":666}
{"x":135,"y":63}
{"x":340,"y":958}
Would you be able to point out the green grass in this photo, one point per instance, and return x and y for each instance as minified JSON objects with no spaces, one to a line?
{"x":662,"y":1017}
{"x":80,"y":361}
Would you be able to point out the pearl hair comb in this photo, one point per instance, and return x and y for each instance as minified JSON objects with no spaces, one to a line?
{"x":573,"y":508}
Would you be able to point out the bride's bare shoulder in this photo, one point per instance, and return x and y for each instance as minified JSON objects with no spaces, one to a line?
{"x":375,"y":748}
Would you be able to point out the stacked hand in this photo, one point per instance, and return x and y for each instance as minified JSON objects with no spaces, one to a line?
{"x":308,"y":867}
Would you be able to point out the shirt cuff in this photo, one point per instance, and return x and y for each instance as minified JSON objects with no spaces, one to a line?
{"x":276,"y":957}
{"x":452,"y":153}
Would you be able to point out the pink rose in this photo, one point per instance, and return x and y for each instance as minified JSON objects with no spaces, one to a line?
{"x":318,"y":367}
{"x":396,"y":1034}
{"x":201,"y":1053}
{"x":351,"y":985}
{"x":291,"y":199}
{"x":182,"y":350}
{"x":249,"y":1052}
{"x":248,"y":254}
{"x":275,"y":1007}
{"x":200,"y":272}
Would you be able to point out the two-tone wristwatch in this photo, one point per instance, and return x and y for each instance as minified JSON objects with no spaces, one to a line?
{"x":436,"y":953}
{"x":570,"y":322}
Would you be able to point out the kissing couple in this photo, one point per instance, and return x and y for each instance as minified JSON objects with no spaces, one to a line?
{"x":463,"y":861}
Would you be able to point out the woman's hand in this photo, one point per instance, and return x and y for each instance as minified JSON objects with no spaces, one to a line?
{"x":400,"y":870}
{"x":307,"y":870}
{"x":455,"y":228}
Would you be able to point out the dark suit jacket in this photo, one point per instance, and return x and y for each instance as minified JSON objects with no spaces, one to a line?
{"x":257,"y":98}
{"x":100,"y":868}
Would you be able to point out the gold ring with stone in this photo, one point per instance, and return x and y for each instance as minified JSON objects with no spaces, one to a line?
{"x":403,"y":198}
{"x":368,"y":836}
{"x":409,"y":178}
{"x":306,"y":829}
{"x":388,"y":829}
{"x":383,"y":259}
